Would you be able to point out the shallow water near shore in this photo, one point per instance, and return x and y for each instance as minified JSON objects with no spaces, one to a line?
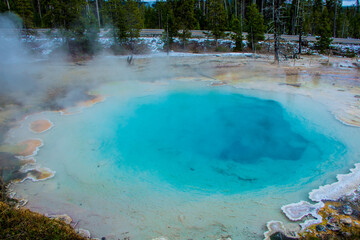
{"x":184,"y":160}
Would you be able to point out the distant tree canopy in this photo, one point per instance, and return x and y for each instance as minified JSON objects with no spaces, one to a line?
{"x":24,"y":9}
{"x":179,"y":16}
{"x":236,"y":28}
{"x":217,"y":19}
{"x":62,"y":14}
{"x":124,"y":18}
{"x":184,"y":17}
{"x":324,"y":40}
{"x":254,"y":26}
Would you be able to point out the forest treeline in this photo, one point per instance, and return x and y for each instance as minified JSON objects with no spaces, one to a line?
{"x":256,"y":17}
{"x":193,"y":14}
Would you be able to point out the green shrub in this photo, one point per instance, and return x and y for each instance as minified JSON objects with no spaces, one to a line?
{"x":24,"y":224}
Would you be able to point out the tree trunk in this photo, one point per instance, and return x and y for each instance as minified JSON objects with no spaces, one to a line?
{"x":301,"y":12}
{"x":242,"y":12}
{"x":8,"y":5}
{"x":97,"y":11}
{"x":236,"y":8}
{"x":276,"y":46}
{"x":335,"y":19}
{"x":184,"y":38}
{"x":167,"y":36}
{"x":343,"y":28}
{"x":225,"y":6}
{"x":274,"y":11}
{"x":252,"y":39}
{"x":276,"y":30}
{"x":87,"y":8}
{"x":159,"y":20}
{"x":39,"y":9}
{"x":300,"y":34}
{"x":230,"y":7}
{"x":297,"y":14}
{"x":203,"y":4}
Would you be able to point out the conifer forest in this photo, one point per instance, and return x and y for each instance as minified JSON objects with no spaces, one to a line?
{"x":315,"y":17}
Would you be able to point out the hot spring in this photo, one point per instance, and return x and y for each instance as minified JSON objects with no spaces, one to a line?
{"x":208,"y":141}
{"x":186,"y":160}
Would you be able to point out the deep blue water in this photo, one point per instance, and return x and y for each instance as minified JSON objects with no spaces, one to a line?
{"x":215,"y":142}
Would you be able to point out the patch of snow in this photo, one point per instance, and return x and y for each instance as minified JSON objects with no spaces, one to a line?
{"x":347,"y":48}
{"x":155,"y":44}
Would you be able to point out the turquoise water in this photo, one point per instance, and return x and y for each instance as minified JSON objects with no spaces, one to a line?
{"x":211,"y":141}
{"x":186,"y":160}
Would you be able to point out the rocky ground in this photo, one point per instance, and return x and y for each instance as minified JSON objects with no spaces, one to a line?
{"x":341,"y":220}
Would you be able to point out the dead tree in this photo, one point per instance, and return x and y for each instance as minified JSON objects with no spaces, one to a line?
{"x":129,"y":60}
{"x":276,"y":30}
{"x":336,"y":3}
{"x":97,"y":12}
{"x":301,"y":15}
{"x":8,"y":5}
{"x":39,"y":9}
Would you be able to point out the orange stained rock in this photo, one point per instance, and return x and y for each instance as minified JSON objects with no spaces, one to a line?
{"x":93,"y":101}
{"x":41,"y":174}
{"x":330,"y":215}
{"x":27,"y":161}
{"x":31,"y":147}
{"x":40,"y":126}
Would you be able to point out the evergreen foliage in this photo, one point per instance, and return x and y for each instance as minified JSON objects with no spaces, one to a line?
{"x":125,"y":18}
{"x":355,"y":25}
{"x":254,"y":26}
{"x":177,"y":17}
{"x":62,"y":14}
{"x":133,"y":20}
{"x":84,"y":36}
{"x":236,"y":28}
{"x":185,"y":19}
{"x":171,"y":25}
{"x":324,"y":40}
{"x":217,"y":18}
{"x":25,"y":10}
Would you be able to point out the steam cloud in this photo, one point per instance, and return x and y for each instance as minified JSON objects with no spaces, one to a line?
{"x":54,"y":83}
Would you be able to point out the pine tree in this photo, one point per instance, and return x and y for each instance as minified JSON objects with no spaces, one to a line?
{"x":317,"y":8}
{"x":324,"y":40}
{"x":84,"y":35}
{"x":149,"y":17}
{"x":125,"y":18}
{"x":115,"y":10}
{"x":160,"y":10}
{"x":62,"y":14}
{"x":355,"y":25}
{"x":277,"y":22}
{"x":254,"y":26}
{"x":184,"y":13}
{"x":217,"y":19}
{"x":25,"y":10}
{"x":38,"y":14}
{"x":132,"y":19}
{"x":199,"y":14}
{"x":334,"y":7}
{"x":171,"y":25}
{"x":236,"y":28}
